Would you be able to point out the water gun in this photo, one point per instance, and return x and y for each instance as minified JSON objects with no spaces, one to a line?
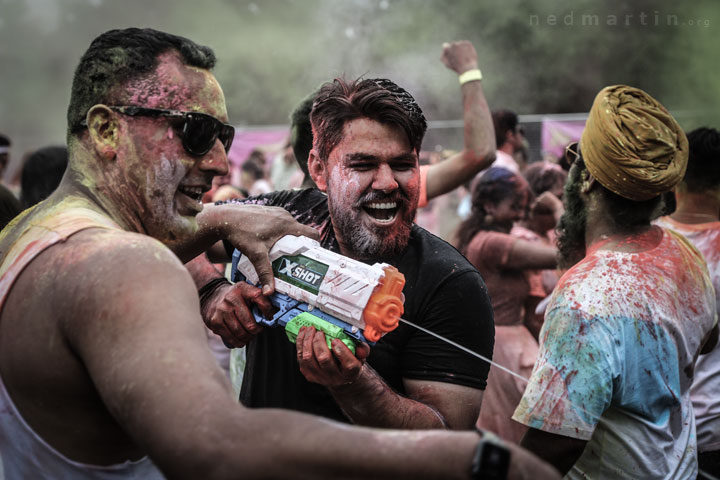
{"x":345,"y":298}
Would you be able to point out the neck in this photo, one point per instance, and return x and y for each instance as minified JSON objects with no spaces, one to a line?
{"x":93,"y":183}
{"x":697,"y":207}
{"x":601,"y":230}
{"x":507,"y":148}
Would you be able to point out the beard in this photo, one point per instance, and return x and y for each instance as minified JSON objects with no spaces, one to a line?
{"x":375,"y":242}
{"x":571,"y":229}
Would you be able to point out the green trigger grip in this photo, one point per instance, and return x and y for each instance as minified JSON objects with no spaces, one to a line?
{"x":331,"y":331}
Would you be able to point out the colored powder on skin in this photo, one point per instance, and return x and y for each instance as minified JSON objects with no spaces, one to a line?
{"x":647,"y":303}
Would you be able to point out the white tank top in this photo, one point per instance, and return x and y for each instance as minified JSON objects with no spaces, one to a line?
{"x":23,"y":453}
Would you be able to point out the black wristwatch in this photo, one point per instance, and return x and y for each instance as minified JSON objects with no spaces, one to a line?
{"x":491,"y":459}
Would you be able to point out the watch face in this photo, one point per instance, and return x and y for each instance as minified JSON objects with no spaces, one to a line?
{"x":491,"y":461}
{"x":495,"y":460}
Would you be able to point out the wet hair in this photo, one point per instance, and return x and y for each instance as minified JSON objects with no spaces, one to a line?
{"x":542,"y":176}
{"x":119,"y":56}
{"x":494,"y":185}
{"x":504,"y":121}
{"x":626,"y":216}
{"x":378,"y":99}
{"x":41,"y":174}
{"x":9,"y":206}
{"x":703,"y":169}
{"x":301,"y":137}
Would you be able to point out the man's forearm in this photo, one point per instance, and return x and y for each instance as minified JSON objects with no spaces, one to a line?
{"x":370,"y":401}
{"x":478,"y":130}
{"x":478,"y":133}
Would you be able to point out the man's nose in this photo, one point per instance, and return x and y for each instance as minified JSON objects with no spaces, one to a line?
{"x":215,"y":160}
{"x":384,"y":179}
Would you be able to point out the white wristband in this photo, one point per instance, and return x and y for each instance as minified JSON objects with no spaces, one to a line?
{"x":470,"y":76}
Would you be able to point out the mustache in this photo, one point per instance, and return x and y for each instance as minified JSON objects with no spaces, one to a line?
{"x":377,"y":196}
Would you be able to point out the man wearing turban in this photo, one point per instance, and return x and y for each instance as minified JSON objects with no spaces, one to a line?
{"x":609,"y":396}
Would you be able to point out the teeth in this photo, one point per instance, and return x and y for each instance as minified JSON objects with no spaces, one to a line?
{"x":388,"y":220}
{"x":382,"y":206}
{"x":194,"y":192}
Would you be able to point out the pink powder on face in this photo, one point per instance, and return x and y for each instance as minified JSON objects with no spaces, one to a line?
{"x":154,"y":160}
{"x":176,"y":86}
{"x":352,"y":180}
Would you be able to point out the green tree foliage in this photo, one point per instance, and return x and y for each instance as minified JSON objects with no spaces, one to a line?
{"x":536,"y":56}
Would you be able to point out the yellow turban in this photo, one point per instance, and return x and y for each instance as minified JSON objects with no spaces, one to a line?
{"x":632,"y":145}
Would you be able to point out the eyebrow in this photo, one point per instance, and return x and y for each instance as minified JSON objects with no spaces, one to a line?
{"x":361,"y":156}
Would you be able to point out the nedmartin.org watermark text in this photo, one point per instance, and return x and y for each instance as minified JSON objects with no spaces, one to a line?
{"x":654,"y":19}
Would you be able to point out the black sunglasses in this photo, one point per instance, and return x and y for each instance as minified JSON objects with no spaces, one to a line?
{"x":198,"y":131}
{"x":571,"y":152}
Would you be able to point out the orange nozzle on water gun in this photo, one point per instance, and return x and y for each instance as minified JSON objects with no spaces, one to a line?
{"x":385,"y":307}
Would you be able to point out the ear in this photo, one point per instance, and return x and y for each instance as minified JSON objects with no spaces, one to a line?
{"x":317,"y":170}
{"x":509,"y":135}
{"x":103,"y":128}
{"x":588,"y":182}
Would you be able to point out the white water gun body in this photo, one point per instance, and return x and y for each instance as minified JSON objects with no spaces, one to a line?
{"x":331,"y":292}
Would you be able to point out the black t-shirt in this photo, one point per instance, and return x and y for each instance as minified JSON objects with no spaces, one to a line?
{"x":443,"y":292}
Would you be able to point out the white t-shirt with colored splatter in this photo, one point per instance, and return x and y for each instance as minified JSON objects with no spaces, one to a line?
{"x":705,"y":390}
{"x":616,"y":358}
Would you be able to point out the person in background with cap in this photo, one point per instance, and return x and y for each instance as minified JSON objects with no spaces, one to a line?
{"x":609,"y":396}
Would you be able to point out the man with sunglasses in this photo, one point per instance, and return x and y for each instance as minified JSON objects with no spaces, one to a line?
{"x":104,"y":366}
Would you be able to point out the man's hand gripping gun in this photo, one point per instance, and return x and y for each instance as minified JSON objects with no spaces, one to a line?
{"x":345,"y":298}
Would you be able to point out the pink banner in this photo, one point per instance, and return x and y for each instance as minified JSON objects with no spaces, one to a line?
{"x":556,"y":134}
{"x":270,"y":139}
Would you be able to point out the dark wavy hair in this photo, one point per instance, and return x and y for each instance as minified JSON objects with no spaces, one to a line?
{"x":118,"y":56}
{"x":378,"y":99}
{"x":703,"y":169}
{"x":572,"y":225}
{"x":494,"y":185}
